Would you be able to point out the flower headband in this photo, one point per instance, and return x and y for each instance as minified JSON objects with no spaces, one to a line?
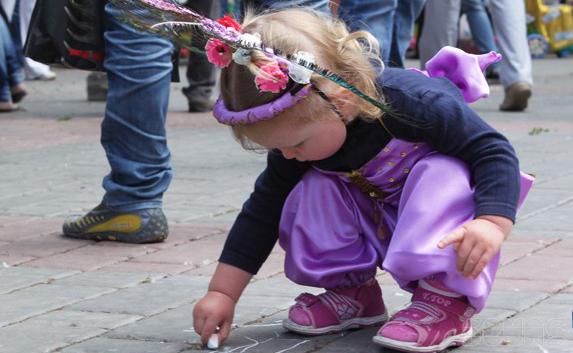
{"x":225,"y":43}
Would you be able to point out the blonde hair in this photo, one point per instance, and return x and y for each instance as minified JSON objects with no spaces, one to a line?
{"x":349,"y":55}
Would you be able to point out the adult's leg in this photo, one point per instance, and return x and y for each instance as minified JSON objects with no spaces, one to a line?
{"x":133,"y":136}
{"x":133,"y":130}
{"x":12,"y":65}
{"x":406,"y":14}
{"x":515,"y":69}
{"x":201,"y":74}
{"x":440,"y":27}
{"x":375,"y":16}
{"x":5,"y":98}
{"x":482,"y":32}
{"x":33,"y":69}
{"x":508,"y":19}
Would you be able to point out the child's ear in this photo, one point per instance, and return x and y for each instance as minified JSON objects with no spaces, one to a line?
{"x":345,"y":100}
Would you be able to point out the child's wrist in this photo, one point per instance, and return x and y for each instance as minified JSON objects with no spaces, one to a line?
{"x":505,"y":225}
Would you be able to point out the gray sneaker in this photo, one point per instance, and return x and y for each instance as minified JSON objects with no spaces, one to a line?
{"x":141,"y":226}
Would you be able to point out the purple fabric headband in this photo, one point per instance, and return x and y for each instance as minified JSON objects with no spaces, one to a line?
{"x":259,"y":113}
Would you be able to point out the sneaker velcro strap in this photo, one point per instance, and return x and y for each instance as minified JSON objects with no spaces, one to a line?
{"x":306,"y":299}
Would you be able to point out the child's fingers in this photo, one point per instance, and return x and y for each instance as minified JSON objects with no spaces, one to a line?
{"x":464,"y":249}
{"x":198,"y":322}
{"x":453,"y":237}
{"x":224,"y":331}
{"x":482,"y":263}
{"x":209,"y":328}
{"x":471,"y":261}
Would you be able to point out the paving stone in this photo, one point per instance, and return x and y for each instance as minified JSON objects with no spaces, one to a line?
{"x":13,"y":260}
{"x":148,"y":298}
{"x":562,"y":248}
{"x":554,"y":219}
{"x":194,"y":254}
{"x":28,"y":227}
{"x":150,"y":268}
{"x":547,"y":320}
{"x":540,"y":267}
{"x":358,"y":341}
{"x":107,"y":345}
{"x":512,"y":251}
{"x":512,"y":344}
{"x":57,"y":329}
{"x":517,"y":301}
{"x":25,"y":303}
{"x":172,"y":326}
{"x":41,"y":246}
{"x":81,"y":262}
{"x":14,"y":278}
{"x":181,"y":233}
{"x":525,"y":285}
{"x":107,"y":279}
{"x":112,"y":248}
{"x":489,"y":317}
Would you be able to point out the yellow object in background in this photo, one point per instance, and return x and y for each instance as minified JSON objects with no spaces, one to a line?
{"x":554,"y":23}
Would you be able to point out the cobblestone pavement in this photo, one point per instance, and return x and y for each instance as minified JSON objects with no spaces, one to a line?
{"x":69,"y":296}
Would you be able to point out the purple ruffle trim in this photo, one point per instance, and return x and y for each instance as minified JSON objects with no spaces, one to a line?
{"x":261,"y":112}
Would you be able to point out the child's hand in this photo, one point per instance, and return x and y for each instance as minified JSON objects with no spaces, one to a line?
{"x":214,"y":310}
{"x":477,"y":242}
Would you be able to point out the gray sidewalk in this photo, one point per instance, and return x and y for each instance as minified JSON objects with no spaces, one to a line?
{"x":63,"y":295}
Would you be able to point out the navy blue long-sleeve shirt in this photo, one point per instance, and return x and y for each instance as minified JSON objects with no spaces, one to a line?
{"x":429,"y":110}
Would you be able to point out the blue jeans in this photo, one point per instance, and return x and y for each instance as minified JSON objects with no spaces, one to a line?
{"x":389,"y":21}
{"x":482,"y":31}
{"x":319,"y":5}
{"x":133,"y":130}
{"x":11,"y":73}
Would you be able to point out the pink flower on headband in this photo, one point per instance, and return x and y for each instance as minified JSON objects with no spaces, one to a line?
{"x":218,"y":53}
{"x":271,"y":78}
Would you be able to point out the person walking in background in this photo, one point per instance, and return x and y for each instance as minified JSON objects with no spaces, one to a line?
{"x":12,"y":90}
{"x":508,"y":17}
{"x":390,"y":21}
{"x":34,"y":70}
{"x":482,"y":32}
{"x":201,"y":75}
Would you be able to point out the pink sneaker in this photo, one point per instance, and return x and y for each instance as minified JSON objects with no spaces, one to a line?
{"x":337,"y":310}
{"x":433,"y":322}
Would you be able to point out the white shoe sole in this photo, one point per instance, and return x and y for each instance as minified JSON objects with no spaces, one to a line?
{"x":346,"y":325}
{"x":457,"y":340}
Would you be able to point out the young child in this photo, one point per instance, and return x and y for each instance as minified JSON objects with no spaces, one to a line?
{"x":425,"y":190}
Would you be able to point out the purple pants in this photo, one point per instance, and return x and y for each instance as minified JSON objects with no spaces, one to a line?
{"x":335,"y":235}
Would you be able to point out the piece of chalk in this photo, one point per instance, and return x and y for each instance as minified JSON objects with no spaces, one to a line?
{"x":213,"y":342}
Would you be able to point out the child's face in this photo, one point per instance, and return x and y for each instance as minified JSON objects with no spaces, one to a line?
{"x":303,"y":140}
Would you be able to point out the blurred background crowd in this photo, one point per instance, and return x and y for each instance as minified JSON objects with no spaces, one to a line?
{"x":532,"y":28}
